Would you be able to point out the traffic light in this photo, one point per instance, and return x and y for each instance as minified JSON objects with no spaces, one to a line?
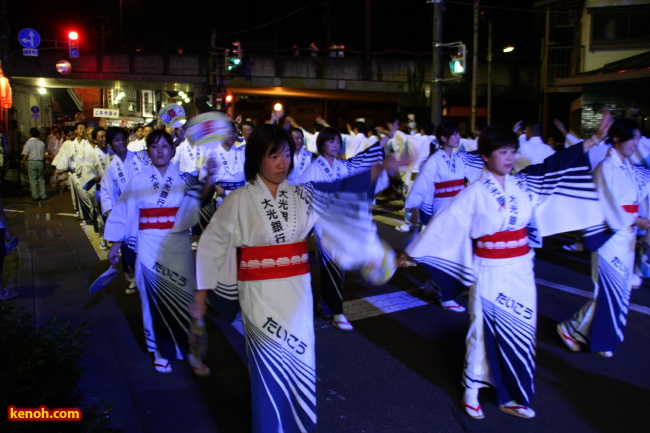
{"x":235,"y":57}
{"x":73,"y":44}
{"x":457,"y":64}
{"x":228,"y":100}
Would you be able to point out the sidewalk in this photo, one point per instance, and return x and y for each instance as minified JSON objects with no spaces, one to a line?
{"x":51,"y":271}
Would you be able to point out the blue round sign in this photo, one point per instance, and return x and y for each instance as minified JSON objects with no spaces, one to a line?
{"x":29,"y":38}
{"x":35,"y":109}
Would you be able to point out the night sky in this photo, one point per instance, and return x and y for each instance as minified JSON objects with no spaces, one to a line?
{"x":404,"y":25}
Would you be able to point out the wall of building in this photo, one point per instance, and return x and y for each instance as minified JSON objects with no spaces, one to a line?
{"x":597,"y":59}
{"x":21,"y":116}
{"x":623,"y":99}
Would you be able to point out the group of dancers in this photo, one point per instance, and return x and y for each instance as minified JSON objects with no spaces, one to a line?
{"x":480,"y":223}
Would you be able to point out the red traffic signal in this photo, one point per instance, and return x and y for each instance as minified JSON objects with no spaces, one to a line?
{"x":73,"y":44}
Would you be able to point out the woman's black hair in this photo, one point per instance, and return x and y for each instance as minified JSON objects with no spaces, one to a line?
{"x":96,"y":130}
{"x":113,"y":132}
{"x":265,"y":140}
{"x":446,"y":129}
{"x":156,"y":134}
{"x":496,"y":137}
{"x":623,"y":129}
{"x":327,"y":134}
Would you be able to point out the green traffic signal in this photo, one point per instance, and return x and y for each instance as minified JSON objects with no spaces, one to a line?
{"x":233,"y":62}
{"x":457,"y":67}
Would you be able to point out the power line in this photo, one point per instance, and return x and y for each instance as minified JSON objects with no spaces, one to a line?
{"x":271,"y":22}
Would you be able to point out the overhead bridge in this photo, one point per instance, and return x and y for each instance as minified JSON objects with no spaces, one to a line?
{"x":385,"y":79}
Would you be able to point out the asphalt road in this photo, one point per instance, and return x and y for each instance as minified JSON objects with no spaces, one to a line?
{"x":397,"y":372}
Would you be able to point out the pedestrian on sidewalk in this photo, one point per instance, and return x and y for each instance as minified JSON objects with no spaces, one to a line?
{"x":34,"y":159}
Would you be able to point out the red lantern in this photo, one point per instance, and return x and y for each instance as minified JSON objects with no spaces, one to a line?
{"x":5,"y":90}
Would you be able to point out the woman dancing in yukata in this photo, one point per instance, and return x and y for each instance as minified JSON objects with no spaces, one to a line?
{"x":328,"y":168}
{"x":481,"y":239}
{"x":253,"y":254}
{"x":600,"y":323}
{"x":153,"y":216}
{"x":441,"y":178}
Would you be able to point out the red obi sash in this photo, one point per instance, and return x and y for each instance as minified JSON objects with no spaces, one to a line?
{"x":449,"y":188}
{"x":158,"y":218}
{"x":631,"y":208}
{"x":503,"y":245}
{"x":273,"y":261}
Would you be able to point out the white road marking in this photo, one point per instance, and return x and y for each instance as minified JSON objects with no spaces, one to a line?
{"x":381,"y":304}
{"x":634,"y":307}
{"x":358,"y":309}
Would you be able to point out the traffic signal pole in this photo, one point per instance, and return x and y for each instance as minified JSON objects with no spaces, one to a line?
{"x":436,"y":76}
{"x":472,"y":122}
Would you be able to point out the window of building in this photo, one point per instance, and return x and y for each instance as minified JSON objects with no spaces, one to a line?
{"x":620,"y":27}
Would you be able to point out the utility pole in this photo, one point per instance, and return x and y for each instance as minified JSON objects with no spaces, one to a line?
{"x":474,"y":68}
{"x":436,"y":76}
{"x":368,"y":37}
{"x":489,"y":75}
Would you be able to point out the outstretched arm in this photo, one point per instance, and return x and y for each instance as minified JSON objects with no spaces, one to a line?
{"x":292,"y":122}
{"x":322,"y":121}
{"x":603,"y":129}
{"x":560,"y":126}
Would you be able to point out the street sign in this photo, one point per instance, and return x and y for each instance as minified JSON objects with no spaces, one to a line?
{"x":63,"y":67}
{"x":111,"y":113}
{"x":30,"y":52}
{"x":36,"y":112}
{"x":29,"y":38}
